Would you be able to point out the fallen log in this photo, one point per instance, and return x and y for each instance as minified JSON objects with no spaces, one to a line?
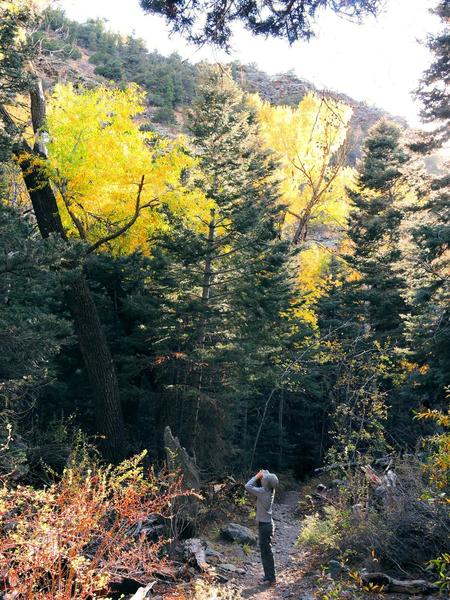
{"x":400,"y":586}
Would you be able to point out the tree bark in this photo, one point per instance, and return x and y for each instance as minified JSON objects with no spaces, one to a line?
{"x":389,"y":584}
{"x":99,"y":366}
{"x":91,"y":337}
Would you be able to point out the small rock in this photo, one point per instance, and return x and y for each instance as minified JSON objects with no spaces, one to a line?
{"x":321,"y":487}
{"x":219,"y":578}
{"x":229,"y":568}
{"x":238,"y":533}
{"x":239,"y":553}
{"x":212,"y":556}
{"x":335,"y":568}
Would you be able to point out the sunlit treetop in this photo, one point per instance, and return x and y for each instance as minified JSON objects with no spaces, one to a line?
{"x":113,"y":179}
{"x":211,"y":21}
{"x":310,"y":144}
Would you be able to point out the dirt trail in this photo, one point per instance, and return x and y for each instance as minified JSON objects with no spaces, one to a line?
{"x":285,"y":552}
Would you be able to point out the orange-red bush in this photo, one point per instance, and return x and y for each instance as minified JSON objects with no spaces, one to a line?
{"x":73,"y":538}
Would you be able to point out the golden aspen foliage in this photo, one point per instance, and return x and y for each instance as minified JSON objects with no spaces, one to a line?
{"x":112,"y":178}
{"x":310,"y":144}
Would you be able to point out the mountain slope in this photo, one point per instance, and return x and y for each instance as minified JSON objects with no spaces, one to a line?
{"x":88,"y":53}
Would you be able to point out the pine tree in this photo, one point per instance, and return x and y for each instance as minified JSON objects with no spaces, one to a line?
{"x":362,"y":313}
{"x":223,"y":290}
{"x":15,"y":51}
{"x":433,"y":91}
{"x":426,"y":259}
{"x":375,"y":292}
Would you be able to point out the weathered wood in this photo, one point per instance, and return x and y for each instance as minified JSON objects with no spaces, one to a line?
{"x":194,"y":551}
{"x":143,"y":592}
{"x":400,"y":586}
{"x":178,"y":460}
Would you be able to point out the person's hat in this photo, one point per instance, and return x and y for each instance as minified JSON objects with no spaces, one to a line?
{"x":270,"y":480}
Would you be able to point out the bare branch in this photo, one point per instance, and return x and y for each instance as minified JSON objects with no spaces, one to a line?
{"x":130,"y":223}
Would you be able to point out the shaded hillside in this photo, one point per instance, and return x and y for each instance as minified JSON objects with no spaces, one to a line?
{"x":88,"y":52}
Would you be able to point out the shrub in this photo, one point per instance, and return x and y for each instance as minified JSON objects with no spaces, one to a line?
{"x":78,"y":535}
{"x":441,"y":564}
{"x":205,"y":590}
{"x":165,"y":115}
{"x":405,"y":528}
{"x":323,"y":533}
{"x":438,"y":446}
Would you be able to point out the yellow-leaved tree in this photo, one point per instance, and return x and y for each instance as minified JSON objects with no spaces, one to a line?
{"x":310,"y":144}
{"x":112,"y":177}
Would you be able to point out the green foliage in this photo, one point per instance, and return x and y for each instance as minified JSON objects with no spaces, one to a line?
{"x":169,"y":81}
{"x":433,"y":91}
{"x":32,"y":332}
{"x":15,"y":51}
{"x":292,"y":22}
{"x":216,"y":326}
{"x":438,"y":450}
{"x":441,"y":564}
{"x":323,"y":532}
{"x":164,"y":114}
{"x":223,"y":290}
{"x":376,"y":289}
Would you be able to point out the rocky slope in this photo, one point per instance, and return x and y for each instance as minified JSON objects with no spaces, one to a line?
{"x":88,"y":53}
{"x":287,"y":88}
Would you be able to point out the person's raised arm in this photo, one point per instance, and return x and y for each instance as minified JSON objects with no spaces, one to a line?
{"x":252,"y":485}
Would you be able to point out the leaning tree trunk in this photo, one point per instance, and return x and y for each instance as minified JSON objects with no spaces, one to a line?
{"x":91,"y":337}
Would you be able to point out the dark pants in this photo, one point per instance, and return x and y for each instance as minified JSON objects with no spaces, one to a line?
{"x":266,"y":531}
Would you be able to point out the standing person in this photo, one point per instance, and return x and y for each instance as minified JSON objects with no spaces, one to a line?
{"x":263,"y":486}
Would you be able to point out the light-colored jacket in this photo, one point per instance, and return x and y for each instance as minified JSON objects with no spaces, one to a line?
{"x":264,"y":495}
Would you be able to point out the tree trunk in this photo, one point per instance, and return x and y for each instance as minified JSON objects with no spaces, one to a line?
{"x":280,"y":430}
{"x":301,"y":229}
{"x":99,"y":366}
{"x":91,"y":337}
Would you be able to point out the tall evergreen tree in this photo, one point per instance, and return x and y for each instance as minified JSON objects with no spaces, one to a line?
{"x":375,"y":291}
{"x":433,"y":91}
{"x":363,"y":311}
{"x":426,"y":260}
{"x":225,"y":290}
{"x":15,"y":50}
